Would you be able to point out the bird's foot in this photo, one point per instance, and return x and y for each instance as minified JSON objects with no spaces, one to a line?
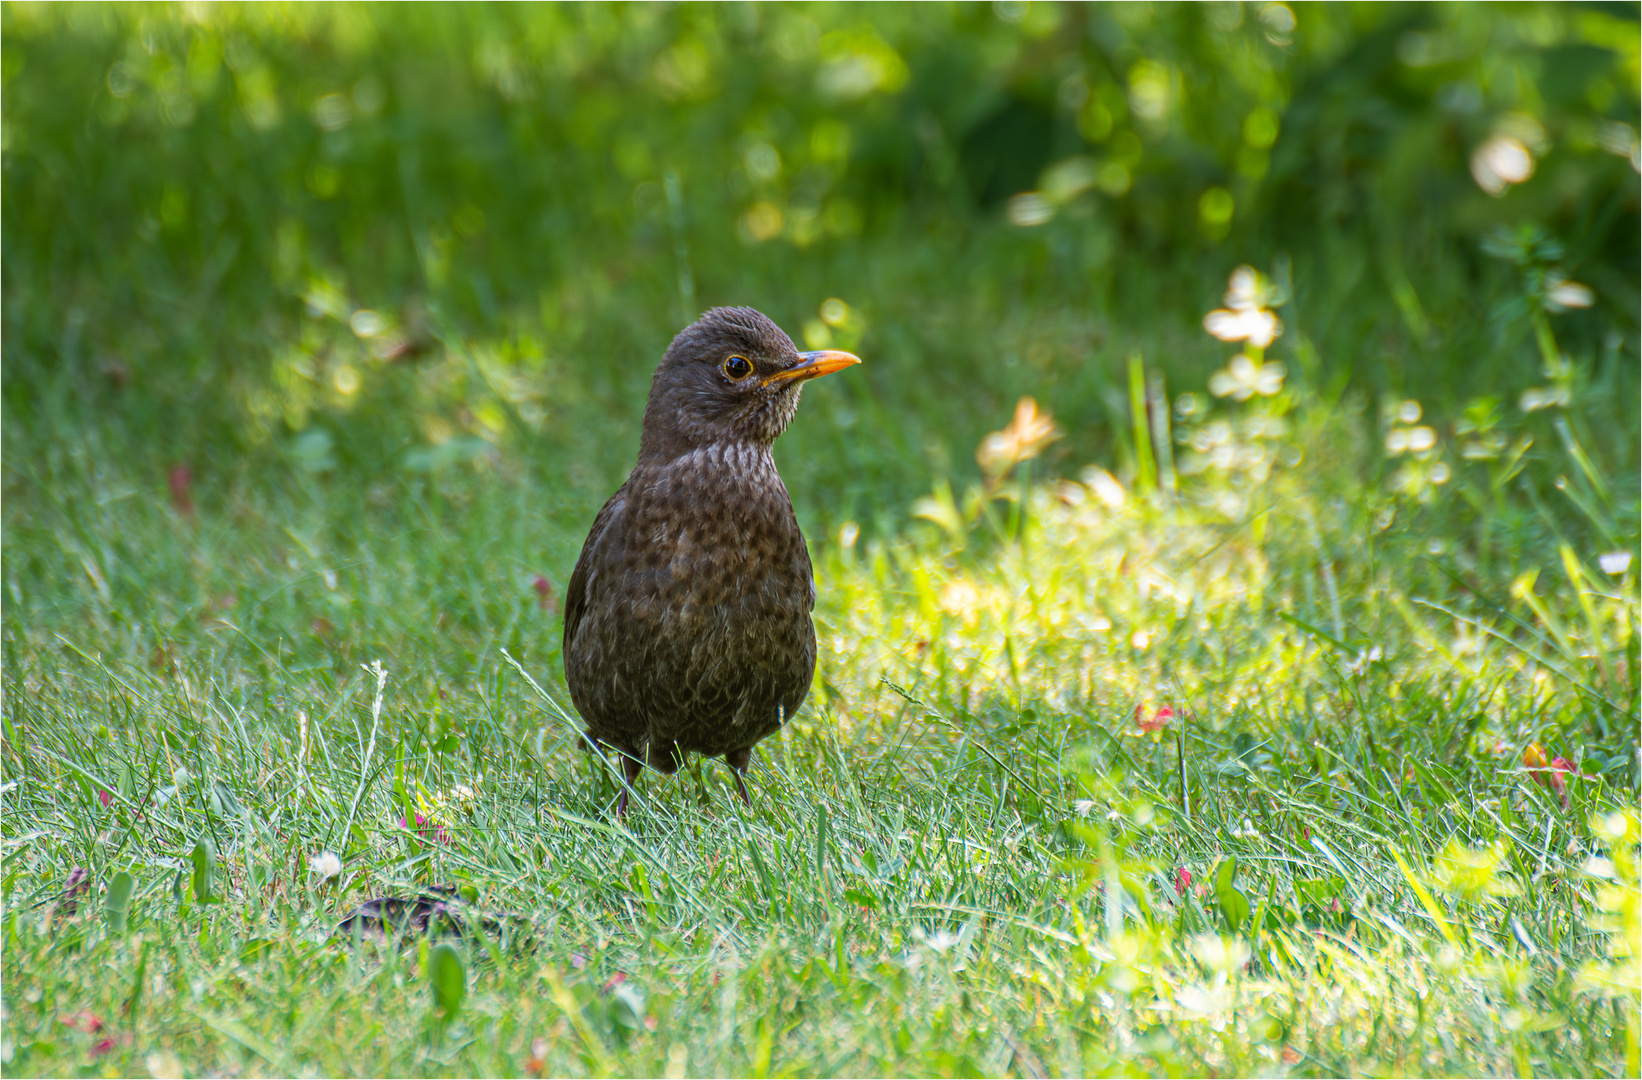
{"x":739,"y":761}
{"x":631,"y":766}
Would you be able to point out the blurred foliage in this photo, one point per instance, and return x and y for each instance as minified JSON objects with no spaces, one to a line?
{"x":383,"y":239}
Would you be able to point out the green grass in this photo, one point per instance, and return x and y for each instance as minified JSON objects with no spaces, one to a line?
{"x":969,"y":852}
{"x":924,"y":883}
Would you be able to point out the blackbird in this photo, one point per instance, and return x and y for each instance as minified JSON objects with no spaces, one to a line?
{"x":687,"y":620}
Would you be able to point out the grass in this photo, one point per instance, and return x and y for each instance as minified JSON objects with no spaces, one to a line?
{"x":1288,"y":735}
{"x":965,"y":854}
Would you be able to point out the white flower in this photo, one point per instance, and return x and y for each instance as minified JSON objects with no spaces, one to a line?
{"x":1501,"y":162}
{"x":1245,"y":316}
{"x":1258,"y":326}
{"x":327,"y":864}
{"x":1562,"y":294}
{"x":1615,"y":562}
{"x":1410,"y":440}
{"x":1242,"y":379}
{"x":1243,"y":291}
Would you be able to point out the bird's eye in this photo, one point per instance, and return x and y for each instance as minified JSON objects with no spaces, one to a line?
{"x":737,"y":368}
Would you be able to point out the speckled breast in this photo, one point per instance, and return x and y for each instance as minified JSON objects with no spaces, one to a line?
{"x":702,"y":619}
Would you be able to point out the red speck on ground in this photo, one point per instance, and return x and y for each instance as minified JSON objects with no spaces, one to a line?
{"x":178,"y":480}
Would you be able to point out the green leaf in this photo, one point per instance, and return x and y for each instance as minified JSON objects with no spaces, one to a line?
{"x":627,"y":1007}
{"x":447,"y":978}
{"x":205,"y":865}
{"x":117,"y":905}
{"x":1233,"y":904}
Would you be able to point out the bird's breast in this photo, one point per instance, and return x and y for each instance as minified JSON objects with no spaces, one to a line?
{"x":711,"y":531}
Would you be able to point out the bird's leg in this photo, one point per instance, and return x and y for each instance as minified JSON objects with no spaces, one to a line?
{"x":738,"y":761}
{"x":630,"y":767}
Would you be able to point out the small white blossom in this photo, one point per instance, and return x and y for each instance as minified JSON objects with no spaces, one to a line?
{"x":1246,"y":316}
{"x":1410,"y":440}
{"x":1614,"y":562}
{"x":1243,"y":291}
{"x":1501,"y":162}
{"x":1561,"y":295}
{"x":1258,"y":327}
{"x":1242,"y":379}
{"x":327,"y":864}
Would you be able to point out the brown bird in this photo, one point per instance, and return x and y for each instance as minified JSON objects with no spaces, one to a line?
{"x":687,"y":621}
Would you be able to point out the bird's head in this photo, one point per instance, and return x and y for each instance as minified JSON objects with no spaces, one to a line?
{"x":732,"y":376}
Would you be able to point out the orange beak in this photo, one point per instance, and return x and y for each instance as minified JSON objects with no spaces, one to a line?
{"x":815,"y":365}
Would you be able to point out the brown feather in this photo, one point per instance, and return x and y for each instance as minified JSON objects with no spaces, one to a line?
{"x":687,"y":619}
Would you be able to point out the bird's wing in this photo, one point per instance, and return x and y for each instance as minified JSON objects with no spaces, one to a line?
{"x":576,"y":596}
{"x":809,"y":574}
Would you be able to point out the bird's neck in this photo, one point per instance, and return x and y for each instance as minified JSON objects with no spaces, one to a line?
{"x":748,"y":456}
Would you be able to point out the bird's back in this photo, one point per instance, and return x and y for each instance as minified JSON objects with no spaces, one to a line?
{"x":687,"y":619}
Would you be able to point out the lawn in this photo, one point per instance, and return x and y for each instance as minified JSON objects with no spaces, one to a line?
{"x":1228,"y":623}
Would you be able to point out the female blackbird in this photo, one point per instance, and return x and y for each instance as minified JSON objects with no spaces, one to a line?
{"x":687,"y":621}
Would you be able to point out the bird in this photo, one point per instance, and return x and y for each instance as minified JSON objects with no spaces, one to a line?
{"x":687,"y":620}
